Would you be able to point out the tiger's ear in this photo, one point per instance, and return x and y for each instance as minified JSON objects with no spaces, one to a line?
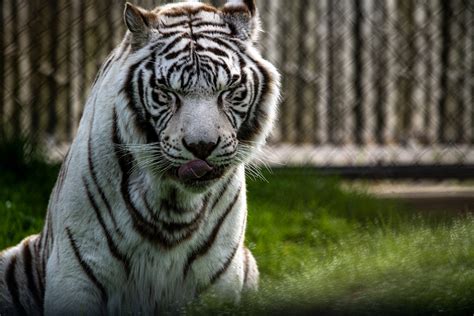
{"x":242,"y":16}
{"x":140,"y":23}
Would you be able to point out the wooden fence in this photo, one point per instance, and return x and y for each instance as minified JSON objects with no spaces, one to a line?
{"x":358,"y":74}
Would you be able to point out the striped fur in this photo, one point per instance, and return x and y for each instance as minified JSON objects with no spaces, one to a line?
{"x":123,"y":234}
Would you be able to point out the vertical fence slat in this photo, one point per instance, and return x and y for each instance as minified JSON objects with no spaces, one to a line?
{"x":367,"y":84}
{"x":284,"y":56}
{"x":52,"y":67}
{"x":428,"y":72}
{"x":321,"y":112}
{"x":444,"y":79}
{"x":315,"y":60}
{"x":358,"y":73}
{"x":407,"y":58}
{"x":69,"y":102}
{"x":379,"y":57}
{"x":470,"y":58}
{"x":15,"y":63}
{"x":109,"y":17}
{"x":418,"y":107}
{"x":300,"y":81}
{"x":346,"y":74}
{"x":34,"y":54}
{"x":24,"y":66}
{"x":460,"y":119}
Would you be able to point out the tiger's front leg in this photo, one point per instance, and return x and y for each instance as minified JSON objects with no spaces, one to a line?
{"x":251,"y":274}
{"x":241,"y":276}
{"x":73,"y":286}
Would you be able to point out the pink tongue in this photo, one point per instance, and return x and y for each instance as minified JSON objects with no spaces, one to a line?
{"x":194,"y":170}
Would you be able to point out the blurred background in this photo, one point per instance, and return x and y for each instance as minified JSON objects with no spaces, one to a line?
{"x":368,"y":84}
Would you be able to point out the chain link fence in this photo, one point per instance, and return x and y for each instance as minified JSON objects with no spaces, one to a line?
{"x":365,"y":82}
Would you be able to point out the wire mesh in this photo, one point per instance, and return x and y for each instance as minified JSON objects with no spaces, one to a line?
{"x":365,"y":82}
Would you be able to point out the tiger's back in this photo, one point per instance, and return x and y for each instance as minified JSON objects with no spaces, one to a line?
{"x":149,"y":210}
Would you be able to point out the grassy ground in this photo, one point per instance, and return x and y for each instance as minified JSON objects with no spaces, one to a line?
{"x":323,"y":249}
{"x":319,"y":249}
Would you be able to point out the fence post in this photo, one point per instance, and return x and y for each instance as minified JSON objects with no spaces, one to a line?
{"x":34,"y":54}
{"x":460,"y":119}
{"x":358,"y":73}
{"x":379,"y":57}
{"x":283,"y":33}
{"x":53,"y":67}
{"x":301,"y":79}
{"x":15,"y":64}
{"x":446,"y":13}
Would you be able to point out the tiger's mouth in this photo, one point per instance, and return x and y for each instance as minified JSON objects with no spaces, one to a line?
{"x":197,"y":173}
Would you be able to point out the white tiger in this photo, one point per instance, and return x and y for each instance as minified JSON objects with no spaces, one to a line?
{"x":149,"y":209}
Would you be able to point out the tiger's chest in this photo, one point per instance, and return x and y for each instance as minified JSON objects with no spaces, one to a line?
{"x":157,"y":282}
{"x":161,"y":279}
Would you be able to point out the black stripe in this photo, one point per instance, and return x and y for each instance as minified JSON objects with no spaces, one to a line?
{"x":212,"y":24}
{"x":229,"y":259}
{"x":200,"y":23}
{"x":102,"y":72}
{"x":122,"y":52}
{"x":39,"y":272}
{"x":231,"y":119}
{"x":12,"y":286}
{"x":166,"y":35}
{"x":175,"y":54}
{"x":192,"y":225}
{"x":48,"y":242}
{"x":147,"y":230}
{"x":28,"y":268}
{"x":110,"y":242}
{"x":62,"y":175}
{"x":170,"y":204}
{"x":85,"y":267}
{"x":224,"y":41}
{"x":94,"y":177}
{"x":141,"y":122}
{"x":163,"y":25}
{"x":44,"y":257}
{"x":170,"y":46}
{"x":212,"y":33}
{"x":246,"y":265}
{"x":223,"y":190}
{"x":204,"y":247}
{"x":226,"y":265}
{"x":253,"y":126}
{"x":141,"y":89}
{"x":149,"y":209}
{"x":216,"y":51}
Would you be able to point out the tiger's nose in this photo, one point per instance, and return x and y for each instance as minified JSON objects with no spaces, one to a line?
{"x":201,"y":149}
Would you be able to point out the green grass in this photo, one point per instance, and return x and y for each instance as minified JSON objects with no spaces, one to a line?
{"x":319,"y":248}
{"x":23,"y":201}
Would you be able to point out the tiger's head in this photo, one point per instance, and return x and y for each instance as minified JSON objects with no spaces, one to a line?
{"x":202,"y":96}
